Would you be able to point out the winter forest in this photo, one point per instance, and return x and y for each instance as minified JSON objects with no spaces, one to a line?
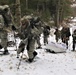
{"x":37,"y":37}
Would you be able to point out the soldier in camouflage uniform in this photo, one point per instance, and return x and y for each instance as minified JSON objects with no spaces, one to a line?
{"x":46,"y":33}
{"x":65,"y":34}
{"x":74,"y":39}
{"x":28,"y":34}
{"x":5,"y":26}
{"x":57,"y":34}
{"x":3,"y":33}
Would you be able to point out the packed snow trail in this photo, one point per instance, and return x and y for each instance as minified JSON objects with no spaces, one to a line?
{"x":46,"y":63}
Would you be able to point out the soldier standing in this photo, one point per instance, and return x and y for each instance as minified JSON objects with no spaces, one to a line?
{"x":65,"y":34}
{"x":3,"y":33}
{"x":5,"y":26}
{"x":46,"y":33}
{"x":57,"y":34}
{"x":74,"y":39}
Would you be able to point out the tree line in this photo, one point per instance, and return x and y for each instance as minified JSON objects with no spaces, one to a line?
{"x":57,"y":10}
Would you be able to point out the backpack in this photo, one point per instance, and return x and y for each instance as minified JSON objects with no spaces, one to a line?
{"x":1,"y":21}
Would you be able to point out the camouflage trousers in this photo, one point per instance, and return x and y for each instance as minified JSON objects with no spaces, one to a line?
{"x":3,"y":39}
{"x":30,"y":46}
{"x":38,"y":41}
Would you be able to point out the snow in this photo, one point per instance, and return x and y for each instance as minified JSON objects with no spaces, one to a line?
{"x":73,"y":5}
{"x":73,"y":20}
{"x":44,"y":64}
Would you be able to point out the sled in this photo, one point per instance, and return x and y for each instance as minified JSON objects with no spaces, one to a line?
{"x":55,"y":47}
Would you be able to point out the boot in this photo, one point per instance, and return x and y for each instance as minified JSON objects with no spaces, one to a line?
{"x":5,"y":52}
{"x":35,"y":54}
{"x":73,"y":50}
{"x":30,"y":60}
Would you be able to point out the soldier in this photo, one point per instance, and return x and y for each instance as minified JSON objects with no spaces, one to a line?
{"x":3,"y":33}
{"x":46,"y":33}
{"x":74,"y":39}
{"x":28,"y":34}
{"x":57,"y":34}
{"x":6,"y":26}
{"x":65,"y":34}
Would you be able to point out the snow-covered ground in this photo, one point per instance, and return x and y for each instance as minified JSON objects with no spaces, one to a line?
{"x":44,"y":64}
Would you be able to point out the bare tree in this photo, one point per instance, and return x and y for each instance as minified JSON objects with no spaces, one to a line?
{"x":18,"y":13}
{"x":26,"y":4}
{"x":57,"y":13}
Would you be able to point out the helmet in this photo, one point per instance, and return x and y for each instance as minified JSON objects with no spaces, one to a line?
{"x":6,"y":8}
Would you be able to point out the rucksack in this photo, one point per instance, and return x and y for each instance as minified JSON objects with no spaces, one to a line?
{"x":1,"y":21}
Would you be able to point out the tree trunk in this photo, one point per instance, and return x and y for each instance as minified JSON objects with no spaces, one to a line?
{"x":18,"y":13}
{"x":57,"y":14}
{"x":37,"y":6}
{"x":26,"y":4}
{"x":61,"y":16}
